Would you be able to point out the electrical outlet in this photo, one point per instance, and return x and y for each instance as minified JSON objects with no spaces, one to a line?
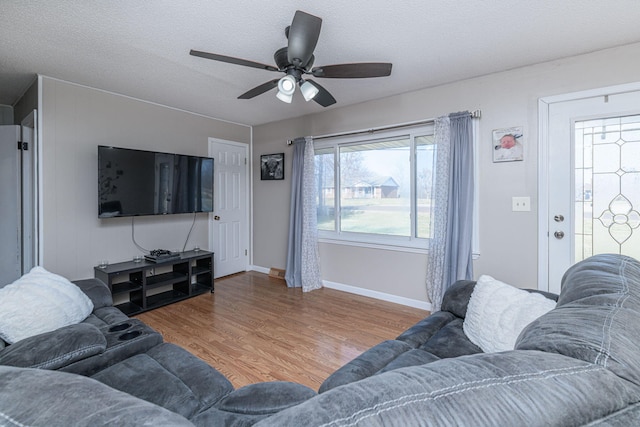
{"x":520,"y":204}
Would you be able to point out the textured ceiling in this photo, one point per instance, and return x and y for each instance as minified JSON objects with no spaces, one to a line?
{"x":141,"y":48}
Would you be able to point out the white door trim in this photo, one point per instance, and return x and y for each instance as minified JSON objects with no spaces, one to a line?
{"x":248,"y":237}
{"x":543,"y":166}
{"x":30,"y":232}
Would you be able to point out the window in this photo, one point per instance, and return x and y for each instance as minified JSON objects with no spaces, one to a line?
{"x":376,"y":189}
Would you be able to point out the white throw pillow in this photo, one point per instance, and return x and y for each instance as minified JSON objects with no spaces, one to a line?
{"x":498,"y":312}
{"x":40,"y":302}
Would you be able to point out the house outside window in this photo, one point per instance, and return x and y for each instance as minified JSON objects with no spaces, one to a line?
{"x":377,"y":189}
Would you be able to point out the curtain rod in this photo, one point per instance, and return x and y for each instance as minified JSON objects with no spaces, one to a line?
{"x":475,"y":114}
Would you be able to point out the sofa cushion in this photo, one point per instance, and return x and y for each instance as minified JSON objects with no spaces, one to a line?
{"x":53,"y":350}
{"x":450,"y":341}
{"x":36,"y":397}
{"x":169,"y":376}
{"x":145,"y":378}
{"x":456,"y":298}
{"x":206,"y":383}
{"x":40,"y":302}
{"x":498,"y":312}
{"x":106,"y":316}
{"x":597,"y":316}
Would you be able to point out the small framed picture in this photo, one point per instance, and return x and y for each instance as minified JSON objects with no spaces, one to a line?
{"x":272,"y":166}
{"x":507,"y":144}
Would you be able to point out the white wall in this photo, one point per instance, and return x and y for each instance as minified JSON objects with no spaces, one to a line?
{"x":508,"y":240}
{"x":75,"y":120}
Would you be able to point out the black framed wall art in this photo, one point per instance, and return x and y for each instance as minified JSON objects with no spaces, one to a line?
{"x":272,"y":166}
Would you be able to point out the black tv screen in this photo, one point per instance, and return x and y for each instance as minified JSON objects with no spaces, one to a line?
{"x":137,"y":182}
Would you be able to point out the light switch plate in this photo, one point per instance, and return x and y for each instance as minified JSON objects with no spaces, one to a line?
{"x":521,"y":204}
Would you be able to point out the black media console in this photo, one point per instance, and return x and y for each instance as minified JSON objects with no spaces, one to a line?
{"x":145,"y":285}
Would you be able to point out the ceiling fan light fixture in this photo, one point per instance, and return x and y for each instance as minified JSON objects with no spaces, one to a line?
{"x":284,"y":97}
{"x":309,"y":91}
{"x":296,"y":59}
{"x":286,"y":87}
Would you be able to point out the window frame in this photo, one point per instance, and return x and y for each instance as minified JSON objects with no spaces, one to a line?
{"x":382,"y":241}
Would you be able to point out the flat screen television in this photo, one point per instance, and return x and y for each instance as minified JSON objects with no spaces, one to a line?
{"x":137,"y":182}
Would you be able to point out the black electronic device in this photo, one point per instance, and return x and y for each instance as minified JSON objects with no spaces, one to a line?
{"x":136,"y":182}
{"x":158,"y":255}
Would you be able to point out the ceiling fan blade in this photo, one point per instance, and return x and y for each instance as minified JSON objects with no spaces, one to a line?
{"x":259,"y":90}
{"x":303,"y":37}
{"x":232,"y":60}
{"x":353,"y":71}
{"x":323,"y":97}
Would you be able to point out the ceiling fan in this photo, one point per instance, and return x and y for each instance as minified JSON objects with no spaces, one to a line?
{"x":296,"y":60}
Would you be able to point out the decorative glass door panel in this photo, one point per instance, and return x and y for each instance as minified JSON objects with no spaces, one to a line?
{"x":607,"y":186}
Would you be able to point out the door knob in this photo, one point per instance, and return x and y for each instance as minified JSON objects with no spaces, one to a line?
{"x":559,"y":234}
{"x":217,"y":218}
{"x":558,"y":218}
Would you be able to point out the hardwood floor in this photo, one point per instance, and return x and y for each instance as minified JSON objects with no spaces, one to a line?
{"x":255,"y":329}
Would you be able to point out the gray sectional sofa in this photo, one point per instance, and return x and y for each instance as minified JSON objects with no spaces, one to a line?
{"x":578,"y":364}
{"x":69,"y":376}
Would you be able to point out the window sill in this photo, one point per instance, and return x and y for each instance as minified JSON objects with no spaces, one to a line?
{"x":419,"y":247}
{"x":396,"y":247}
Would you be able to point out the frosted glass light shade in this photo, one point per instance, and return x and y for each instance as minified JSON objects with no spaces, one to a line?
{"x":309,"y":91}
{"x":284,"y":97}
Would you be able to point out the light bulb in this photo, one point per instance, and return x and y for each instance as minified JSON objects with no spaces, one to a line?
{"x":288,"y":85}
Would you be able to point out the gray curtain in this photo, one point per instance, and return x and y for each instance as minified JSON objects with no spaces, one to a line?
{"x":303,"y":261}
{"x":450,"y":250}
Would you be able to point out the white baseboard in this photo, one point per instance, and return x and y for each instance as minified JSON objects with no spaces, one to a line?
{"x":423,"y":305}
{"x":259,"y":269}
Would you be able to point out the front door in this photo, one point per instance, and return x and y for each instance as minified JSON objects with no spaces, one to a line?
{"x":593,"y":181}
{"x":229,"y":223}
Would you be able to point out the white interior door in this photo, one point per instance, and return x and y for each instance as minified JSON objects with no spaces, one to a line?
{"x":592,"y":184}
{"x":229,"y":222}
{"x":10,"y":221}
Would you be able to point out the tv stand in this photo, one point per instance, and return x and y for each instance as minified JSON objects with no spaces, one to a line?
{"x":145,"y":285}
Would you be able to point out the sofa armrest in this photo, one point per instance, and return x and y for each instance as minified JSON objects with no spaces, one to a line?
{"x":265,"y":398}
{"x":56,"y":349}
{"x":425,"y":329}
{"x":366,"y":364}
{"x":97,"y":292}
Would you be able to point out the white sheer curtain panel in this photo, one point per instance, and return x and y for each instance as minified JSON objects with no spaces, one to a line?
{"x":303,"y":260}
{"x":450,"y":249}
